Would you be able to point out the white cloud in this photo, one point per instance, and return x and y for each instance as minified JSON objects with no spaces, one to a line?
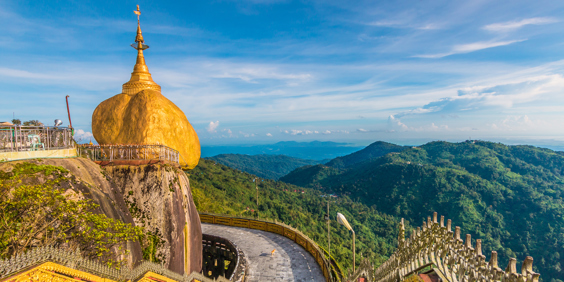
{"x":251,"y":73}
{"x":362,"y":130}
{"x":470,"y":47}
{"x":396,"y":123}
{"x":300,"y":132}
{"x":513,"y":25}
{"x":522,"y":122}
{"x":295,"y":132}
{"x":82,"y":136}
{"x":405,"y":24}
{"x":228,"y":131}
{"x":269,"y":135}
{"x":212,"y":126}
{"x":504,"y":95}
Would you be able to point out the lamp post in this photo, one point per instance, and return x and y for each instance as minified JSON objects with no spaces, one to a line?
{"x":256,"y":187}
{"x":328,"y":230}
{"x":342,"y":220}
{"x":328,"y":220}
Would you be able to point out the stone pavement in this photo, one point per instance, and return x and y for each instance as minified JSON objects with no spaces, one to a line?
{"x":291,"y":262}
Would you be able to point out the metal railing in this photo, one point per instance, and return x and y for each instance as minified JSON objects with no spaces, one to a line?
{"x":128,"y":153}
{"x":330,"y":273}
{"x":35,"y":138}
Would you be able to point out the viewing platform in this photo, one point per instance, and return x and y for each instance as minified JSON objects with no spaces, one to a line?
{"x":123,"y":154}
{"x":31,"y":142}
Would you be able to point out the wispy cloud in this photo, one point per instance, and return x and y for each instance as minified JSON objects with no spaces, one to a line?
{"x":405,"y":24}
{"x":470,"y":47}
{"x":253,"y":73}
{"x":513,"y":25}
{"x":512,"y":96}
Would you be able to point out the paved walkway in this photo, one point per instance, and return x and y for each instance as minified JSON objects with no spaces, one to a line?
{"x":291,"y":262}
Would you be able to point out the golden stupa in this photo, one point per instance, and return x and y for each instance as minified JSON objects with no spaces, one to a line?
{"x":142,"y":115}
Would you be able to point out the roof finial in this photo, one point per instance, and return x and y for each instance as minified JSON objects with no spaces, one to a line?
{"x":138,"y":13}
{"x":139,"y":37}
{"x":140,"y":78}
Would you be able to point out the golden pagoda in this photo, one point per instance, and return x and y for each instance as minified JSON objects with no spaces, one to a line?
{"x":142,"y":115}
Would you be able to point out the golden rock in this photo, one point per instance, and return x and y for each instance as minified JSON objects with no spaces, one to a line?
{"x":142,"y":115}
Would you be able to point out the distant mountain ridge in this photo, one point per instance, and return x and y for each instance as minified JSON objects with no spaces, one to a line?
{"x":309,"y":176}
{"x":372,"y":151}
{"x":512,"y":197}
{"x":315,"y":150}
{"x":265,"y":166}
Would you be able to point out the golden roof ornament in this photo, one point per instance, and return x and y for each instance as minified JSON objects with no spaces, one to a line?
{"x":140,"y":77}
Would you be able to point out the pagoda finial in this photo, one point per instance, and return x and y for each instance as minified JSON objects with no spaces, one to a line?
{"x":139,"y":37}
{"x":140,"y":78}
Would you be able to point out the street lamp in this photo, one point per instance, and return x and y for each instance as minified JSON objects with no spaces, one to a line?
{"x":328,"y":220}
{"x":342,"y":220}
{"x":256,"y":187}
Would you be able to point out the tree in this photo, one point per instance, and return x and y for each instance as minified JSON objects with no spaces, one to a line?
{"x":44,"y":214}
{"x":16,"y":121}
{"x":33,"y":122}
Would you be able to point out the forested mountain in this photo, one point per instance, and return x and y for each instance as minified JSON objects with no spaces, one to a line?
{"x":266,"y":166}
{"x":372,"y":151}
{"x":220,"y":189}
{"x":510,"y":196}
{"x":309,"y":175}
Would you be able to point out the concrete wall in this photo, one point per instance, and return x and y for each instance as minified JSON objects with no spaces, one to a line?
{"x":62,"y":153}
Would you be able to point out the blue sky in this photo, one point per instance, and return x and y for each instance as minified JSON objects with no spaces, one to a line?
{"x":262,"y":71}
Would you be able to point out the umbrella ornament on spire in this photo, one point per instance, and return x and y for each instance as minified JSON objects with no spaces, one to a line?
{"x":139,"y":42}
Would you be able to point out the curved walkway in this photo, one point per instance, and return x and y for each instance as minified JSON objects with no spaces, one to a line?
{"x":291,"y":262}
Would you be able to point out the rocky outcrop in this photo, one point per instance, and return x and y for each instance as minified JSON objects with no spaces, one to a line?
{"x":155,"y":196}
{"x":160,"y":200}
{"x":92,"y":182}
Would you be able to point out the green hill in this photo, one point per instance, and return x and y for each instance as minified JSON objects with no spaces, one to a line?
{"x":219,"y":189}
{"x":310,"y":175}
{"x":372,"y":151}
{"x":266,"y":166}
{"x":510,"y":196}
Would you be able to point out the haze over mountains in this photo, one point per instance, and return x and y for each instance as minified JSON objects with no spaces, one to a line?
{"x":509,"y":196}
{"x":275,"y":166}
{"x":315,"y":150}
{"x":265,"y":166}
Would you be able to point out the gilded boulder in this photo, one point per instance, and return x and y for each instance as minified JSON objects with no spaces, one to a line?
{"x":142,"y":115}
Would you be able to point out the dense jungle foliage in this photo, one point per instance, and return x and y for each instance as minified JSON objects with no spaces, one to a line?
{"x":265,"y":166}
{"x":509,"y":196}
{"x":219,"y":189}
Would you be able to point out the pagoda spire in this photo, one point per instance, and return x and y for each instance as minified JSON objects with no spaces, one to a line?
{"x":140,"y":77}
